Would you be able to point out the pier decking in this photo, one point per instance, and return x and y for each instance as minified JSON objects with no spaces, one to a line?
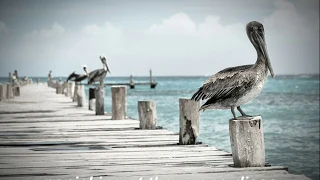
{"x":44,"y":135}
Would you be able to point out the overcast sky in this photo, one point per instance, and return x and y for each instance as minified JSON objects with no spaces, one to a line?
{"x":184,"y":37}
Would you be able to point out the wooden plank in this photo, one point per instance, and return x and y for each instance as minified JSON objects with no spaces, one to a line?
{"x":47,"y":137}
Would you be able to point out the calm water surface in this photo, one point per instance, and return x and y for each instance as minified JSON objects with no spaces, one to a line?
{"x":289,"y":106}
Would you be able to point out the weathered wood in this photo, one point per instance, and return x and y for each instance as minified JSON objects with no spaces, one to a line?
{"x":16,"y":91}
{"x":75,"y":93}
{"x":92,"y":99}
{"x":70,"y":89}
{"x":3,"y":92}
{"x":10,"y":78}
{"x":9,"y":91}
{"x":81,"y":96}
{"x":99,"y":94}
{"x":119,"y":106}
{"x":59,"y":88}
{"x":189,"y":121}
{"x":47,"y":137}
{"x":63,"y":87}
{"x":147,"y":114}
{"x":247,"y":142}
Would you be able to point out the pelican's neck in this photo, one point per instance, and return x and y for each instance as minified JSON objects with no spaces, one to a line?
{"x":104,"y":66}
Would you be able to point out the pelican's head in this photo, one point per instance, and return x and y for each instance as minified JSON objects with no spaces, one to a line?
{"x":255,"y":32}
{"x":104,"y":61}
{"x":85,"y":68}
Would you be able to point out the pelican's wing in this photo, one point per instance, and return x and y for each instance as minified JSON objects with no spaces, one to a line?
{"x":94,"y":75}
{"x":72,"y":75}
{"x":224,"y":83}
{"x":81,"y":78}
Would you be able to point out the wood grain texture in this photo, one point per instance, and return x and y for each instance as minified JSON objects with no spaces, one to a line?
{"x":189,"y":121}
{"x":119,"y":106}
{"x":81,"y":97}
{"x":3,"y":92}
{"x":247,"y":142}
{"x":147,"y":114}
{"x":45,"y":136}
{"x":99,"y":94}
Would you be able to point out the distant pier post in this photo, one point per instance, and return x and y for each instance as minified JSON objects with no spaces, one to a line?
{"x":118,"y":102}
{"x":70,"y":89}
{"x":131,"y":82}
{"x":3,"y":92}
{"x":63,"y":87}
{"x":92,"y":99}
{"x":16,"y":91}
{"x":147,"y":114}
{"x":81,"y":96}
{"x":9,"y":91}
{"x":10,"y":78}
{"x":189,"y":121}
{"x":247,"y":142}
{"x":99,"y":94}
{"x":152,"y":83}
{"x":75,"y":92}
{"x":65,"y":84}
{"x":59,"y":88}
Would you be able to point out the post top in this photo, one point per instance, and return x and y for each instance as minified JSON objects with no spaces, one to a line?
{"x":247,"y":118}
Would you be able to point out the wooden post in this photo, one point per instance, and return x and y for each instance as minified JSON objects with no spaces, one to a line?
{"x":118,"y":102}
{"x":38,"y":80}
{"x":17,"y":91}
{"x":9,"y":91}
{"x":99,"y":94}
{"x":70,"y":89}
{"x":3,"y":92}
{"x":247,"y":142}
{"x":66,"y":89}
{"x":92,"y":100}
{"x":147,"y":114}
{"x":150,"y":76}
{"x":81,"y":96}
{"x":63,"y":86}
{"x":131,"y":82}
{"x":59,"y":88}
{"x":75,"y":93}
{"x":10,"y":78}
{"x":189,"y":121}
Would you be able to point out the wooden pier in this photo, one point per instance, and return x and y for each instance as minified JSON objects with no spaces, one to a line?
{"x":45,"y":136}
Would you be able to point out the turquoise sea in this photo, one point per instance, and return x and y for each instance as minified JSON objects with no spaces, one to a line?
{"x":288,"y":104}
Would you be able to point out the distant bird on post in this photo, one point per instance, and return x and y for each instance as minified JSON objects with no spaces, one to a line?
{"x":78,"y":77}
{"x":99,"y":74}
{"x":235,"y":86}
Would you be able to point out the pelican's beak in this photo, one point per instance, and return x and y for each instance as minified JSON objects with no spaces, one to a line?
{"x":108,"y":70}
{"x":263,"y":48}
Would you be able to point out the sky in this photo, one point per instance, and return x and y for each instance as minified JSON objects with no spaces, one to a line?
{"x":171,"y":37}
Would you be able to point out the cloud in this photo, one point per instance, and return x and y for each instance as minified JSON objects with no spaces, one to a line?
{"x":201,"y":47}
{"x":179,"y":23}
{"x":55,"y":31}
{"x":293,"y":39}
{"x":63,"y":50}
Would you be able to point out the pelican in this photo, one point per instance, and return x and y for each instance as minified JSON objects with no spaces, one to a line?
{"x":235,"y":86}
{"x":99,"y":74}
{"x":78,"y":77}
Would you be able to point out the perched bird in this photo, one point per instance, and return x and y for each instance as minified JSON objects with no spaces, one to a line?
{"x":78,"y":77}
{"x":98,"y":75}
{"x":235,"y":86}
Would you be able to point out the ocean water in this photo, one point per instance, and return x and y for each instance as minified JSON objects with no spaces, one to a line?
{"x":289,"y":106}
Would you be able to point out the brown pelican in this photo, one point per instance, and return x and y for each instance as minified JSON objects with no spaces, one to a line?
{"x":235,"y":86}
{"x":98,"y":75}
{"x":78,"y":77}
